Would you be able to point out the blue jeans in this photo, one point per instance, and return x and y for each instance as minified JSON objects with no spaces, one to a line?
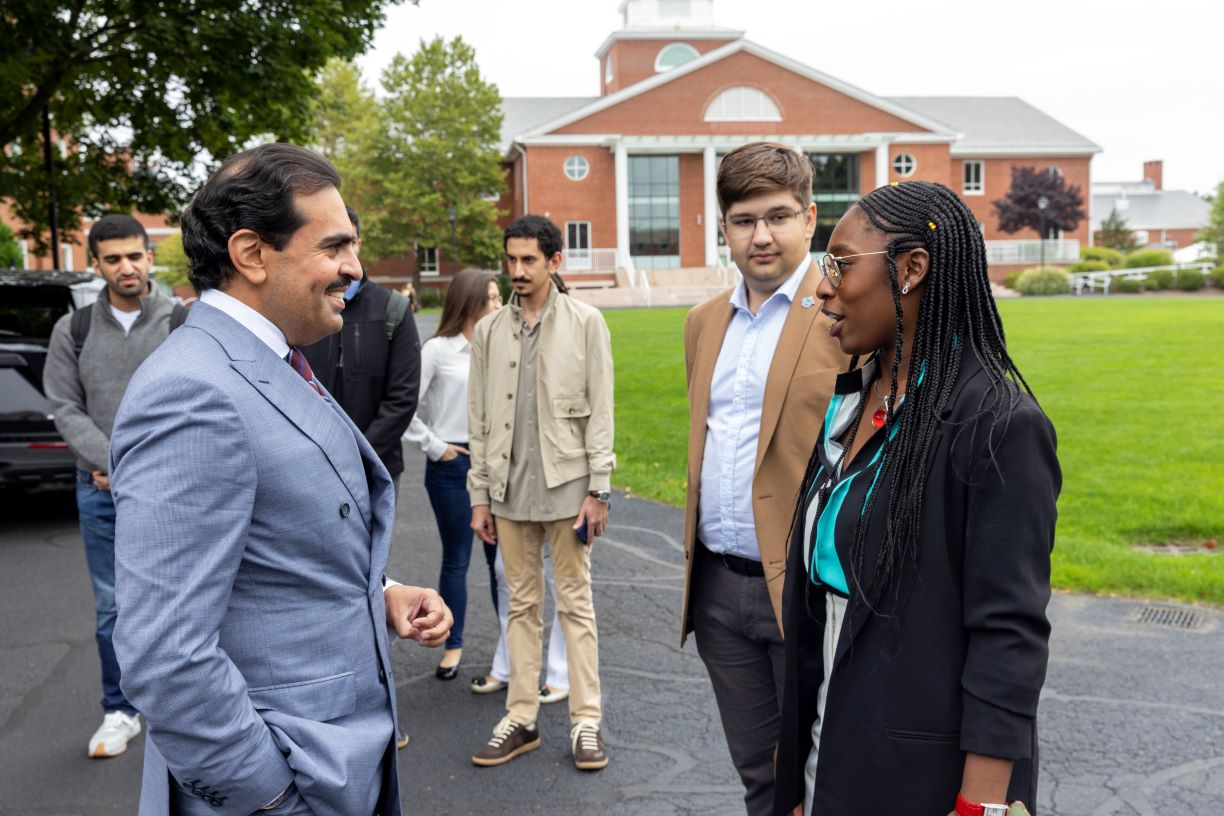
{"x":97,"y":514}
{"x":446,"y":484}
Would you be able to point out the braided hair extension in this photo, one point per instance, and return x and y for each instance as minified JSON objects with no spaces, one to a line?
{"x":957,"y":315}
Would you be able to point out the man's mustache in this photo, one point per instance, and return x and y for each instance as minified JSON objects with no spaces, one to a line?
{"x":520,"y":280}
{"x":340,"y":284}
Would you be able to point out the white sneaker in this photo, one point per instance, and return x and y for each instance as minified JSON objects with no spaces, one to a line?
{"x":114,"y":734}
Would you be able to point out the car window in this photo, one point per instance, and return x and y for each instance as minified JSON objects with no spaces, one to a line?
{"x":19,"y":399}
{"x":30,"y":312}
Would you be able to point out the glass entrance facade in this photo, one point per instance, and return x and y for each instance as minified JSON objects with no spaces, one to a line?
{"x":835,"y":188}
{"x":654,"y":211}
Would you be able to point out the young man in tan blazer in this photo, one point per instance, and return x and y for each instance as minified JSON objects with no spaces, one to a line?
{"x":760,"y":369}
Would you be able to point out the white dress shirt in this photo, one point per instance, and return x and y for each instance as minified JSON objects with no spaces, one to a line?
{"x":725,"y":522}
{"x":442,"y":412}
{"x":249,"y":319}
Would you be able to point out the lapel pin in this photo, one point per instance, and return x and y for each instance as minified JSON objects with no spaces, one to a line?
{"x":807,"y":302}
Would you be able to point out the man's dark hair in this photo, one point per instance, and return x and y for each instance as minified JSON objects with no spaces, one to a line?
{"x":537,"y":227}
{"x":763,"y":167}
{"x":112,"y":226}
{"x":252,"y":190}
{"x":356,"y":222}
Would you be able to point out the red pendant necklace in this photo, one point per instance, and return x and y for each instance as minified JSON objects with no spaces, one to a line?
{"x":880,"y":416}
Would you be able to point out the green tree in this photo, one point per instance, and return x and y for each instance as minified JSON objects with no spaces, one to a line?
{"x":1114,"y":233}
{"x":437,"y":147}
{"x":10,"y":250}
{"x":138,"y":90}
{"x":344,"y":120}
{"x":172,"y":261}
{"x":1213,"y":233}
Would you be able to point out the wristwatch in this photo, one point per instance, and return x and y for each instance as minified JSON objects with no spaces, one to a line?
{"x":966,"y":808}
{"x":603,"y":496}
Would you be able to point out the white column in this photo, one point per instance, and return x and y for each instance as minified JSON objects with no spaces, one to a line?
{"x":881,"y":163}
{"x":710,"y":182}
{"x":622,"y":200}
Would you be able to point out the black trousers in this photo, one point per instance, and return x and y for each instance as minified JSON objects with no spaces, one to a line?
{"x":739,"y":641}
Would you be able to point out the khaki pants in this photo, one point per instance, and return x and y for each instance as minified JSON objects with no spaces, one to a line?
{"x":522,"y":544}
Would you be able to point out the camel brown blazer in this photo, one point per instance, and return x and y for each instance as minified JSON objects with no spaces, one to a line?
{"x":797,"y":392}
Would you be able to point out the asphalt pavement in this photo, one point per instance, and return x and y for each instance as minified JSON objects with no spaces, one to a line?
{"x":1131,"y":720}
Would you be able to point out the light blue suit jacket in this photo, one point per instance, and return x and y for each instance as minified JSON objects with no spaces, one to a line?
{"x":253,"y":526}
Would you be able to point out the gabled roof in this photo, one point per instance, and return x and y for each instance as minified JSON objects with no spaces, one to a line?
{"x":1160,"y":209}
{"x":999,"y":125}
{"x":745,"y":46}
{"x":521,"y":114}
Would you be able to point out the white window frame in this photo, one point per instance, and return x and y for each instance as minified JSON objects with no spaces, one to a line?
{"x":1054,"y":169}
{"x":691,"y":52}
{"x":897,"y":162}
{"x":608,"y":74}
{"x":743,"y":103}
{"x":576,"y":167}
{"x":66,"y":257}
{"x":968,"y":187}
{"x":428,"y":261}
{"x":578,"y":257}
{"x":25,"y":254}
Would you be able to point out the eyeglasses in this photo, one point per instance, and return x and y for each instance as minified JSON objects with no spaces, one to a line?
{"x":830,"y":265}
{"x":742,"y":226}
{"x":497,"y":298}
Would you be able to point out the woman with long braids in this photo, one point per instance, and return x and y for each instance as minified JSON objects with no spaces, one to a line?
{"x":914,"y":607}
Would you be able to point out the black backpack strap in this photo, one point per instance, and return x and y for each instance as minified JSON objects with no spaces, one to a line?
{"x":178,"y":315}
{"x":397,"y":307}
{"x":79,"y":326}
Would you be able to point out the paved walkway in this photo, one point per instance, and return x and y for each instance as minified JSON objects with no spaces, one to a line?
{"x":1132,"y":720}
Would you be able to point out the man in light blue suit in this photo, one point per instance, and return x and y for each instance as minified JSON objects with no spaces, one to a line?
{"x":254,"y":523}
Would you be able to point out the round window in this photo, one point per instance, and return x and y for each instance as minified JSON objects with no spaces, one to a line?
{"x":576,"y":168}
{"x":904,"y":164}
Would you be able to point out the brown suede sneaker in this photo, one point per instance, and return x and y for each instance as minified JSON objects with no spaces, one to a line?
{"x":588,"y":746}
{"x":508,"y":741}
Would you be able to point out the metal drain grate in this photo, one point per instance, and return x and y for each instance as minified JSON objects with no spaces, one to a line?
{"x":1170,"y":616}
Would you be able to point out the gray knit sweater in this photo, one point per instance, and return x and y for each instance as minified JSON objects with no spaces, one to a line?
{"x":85,"y":394}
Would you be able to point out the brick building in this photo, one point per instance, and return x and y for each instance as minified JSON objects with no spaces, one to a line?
{"x":1156,"y":217}
{"x":630,"y":173}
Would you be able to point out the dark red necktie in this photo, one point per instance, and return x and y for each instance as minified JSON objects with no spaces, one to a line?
{"x":298,"y":361}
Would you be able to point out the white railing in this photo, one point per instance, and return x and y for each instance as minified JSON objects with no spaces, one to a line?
{"x":1021,"y":251}
{"x":588,"y":262}
{"x":1091,"y":281}
{"x":728,"y":272}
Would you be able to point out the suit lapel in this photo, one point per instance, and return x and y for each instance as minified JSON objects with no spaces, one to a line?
{"x":281,"y":386}
{"x":786,"y":356}
{"x":709,"y":340}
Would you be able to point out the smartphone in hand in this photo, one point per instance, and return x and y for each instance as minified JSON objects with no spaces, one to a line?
{"x":581,"y":532}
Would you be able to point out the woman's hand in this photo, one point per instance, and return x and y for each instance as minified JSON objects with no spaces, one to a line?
{"x":452,"y":451}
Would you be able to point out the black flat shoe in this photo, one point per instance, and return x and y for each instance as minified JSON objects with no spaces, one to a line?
{"x":447,"y":672}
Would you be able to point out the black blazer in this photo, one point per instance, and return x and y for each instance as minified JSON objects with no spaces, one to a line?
{"x":962,"y":668}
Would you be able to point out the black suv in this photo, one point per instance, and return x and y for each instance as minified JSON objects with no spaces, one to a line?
{"x":31,"y":450}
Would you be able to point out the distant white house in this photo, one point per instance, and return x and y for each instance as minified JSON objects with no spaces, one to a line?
{"x":1158,"y":217}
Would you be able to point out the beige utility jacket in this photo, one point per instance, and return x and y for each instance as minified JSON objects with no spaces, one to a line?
{"x":574,"y":397}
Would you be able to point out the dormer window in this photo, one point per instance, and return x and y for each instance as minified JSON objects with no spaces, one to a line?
{"x":743,"y":104}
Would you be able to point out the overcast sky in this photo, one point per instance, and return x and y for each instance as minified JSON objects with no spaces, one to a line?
{"x":1144,"y":80}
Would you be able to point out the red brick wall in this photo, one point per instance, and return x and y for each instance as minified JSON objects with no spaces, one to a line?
{"x":634,"y":60}
{"x":932,"y":162}
{"x":692,"y":209}
{"x":997,"y":176}
{"x":867,"y":173}
{"x":678,"y":107}
{"x":552,"y":193}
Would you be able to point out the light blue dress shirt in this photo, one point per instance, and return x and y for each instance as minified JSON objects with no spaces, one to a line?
{"x":725,"y":522}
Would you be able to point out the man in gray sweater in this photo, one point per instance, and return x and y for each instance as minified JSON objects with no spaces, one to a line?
{"x":85,"y":383}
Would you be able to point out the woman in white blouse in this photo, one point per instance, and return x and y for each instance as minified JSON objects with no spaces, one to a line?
{"x":440,"y":430}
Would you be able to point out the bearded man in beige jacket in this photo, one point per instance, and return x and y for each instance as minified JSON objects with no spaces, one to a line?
{"x":540,"y":429}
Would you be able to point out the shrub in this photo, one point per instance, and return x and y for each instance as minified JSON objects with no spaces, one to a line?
{"x":1217,"y":277}
{"x":1189,"y":280}
{"x":1112,"y":257}
{"x":1127,"y":286}
{"x":1089,"y":266}
{"x":1148,"y":257}
{"x":1044,"y":280}
{"x":430,"y":297}
{"x":1160,"y":279}
{"x":1012,"y":277}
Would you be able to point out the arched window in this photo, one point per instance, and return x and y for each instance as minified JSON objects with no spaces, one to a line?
{"x":904,"y":164}
{"x":674,"y":55}
{"x":743,"y":104}
{"x":576,"y":168}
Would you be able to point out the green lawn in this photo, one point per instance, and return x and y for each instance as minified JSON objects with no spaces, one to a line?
{"x":1135,"y":388}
